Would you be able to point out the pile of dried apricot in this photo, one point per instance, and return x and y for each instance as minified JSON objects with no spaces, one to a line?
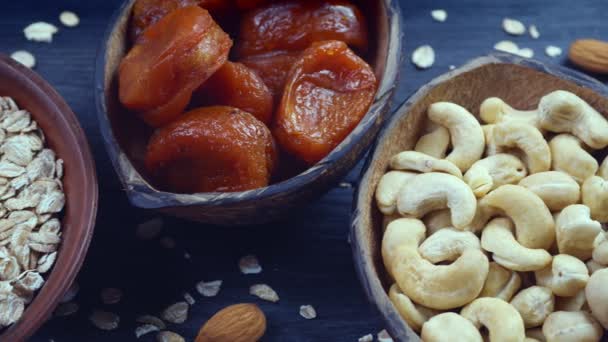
{"x":291,"y":77}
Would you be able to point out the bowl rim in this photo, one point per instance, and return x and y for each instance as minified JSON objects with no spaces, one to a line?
{"x":144,"y":195}
{"x":55,"y":287}
{"x":372,"y":286}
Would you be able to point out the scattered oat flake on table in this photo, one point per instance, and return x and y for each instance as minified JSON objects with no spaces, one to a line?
{"x":66,"y":309}
{"x":111,"y":295}
{"x":104,"y":320}
{"x":533,"y":32}
{"x":308,"y":311}
{"x":189,"y":299}
{"x":150,"y":229}
{"x":25,"y":58}
{"x":345,"y":185}
{"x":264,"y":292}
{"x":69,"y":19}
{"x":167,"y":242}
{"x":40,"y":32}
{"x":169,"y":336}
{"x":506,"y":46}
{"x":209,"y":289}
{"x":513,"y":27}
{"x":525,"y":52}
{"x":366,"y":338}
{"x":553,"y":51}
{"x":145,"y":329}
{"x":383,"y":336}
{"x":423,"y":57}
{"x":176,"y":313}
{"x":452,"y":67}
{"x":439,"y":15}
{"x":249,"y":264}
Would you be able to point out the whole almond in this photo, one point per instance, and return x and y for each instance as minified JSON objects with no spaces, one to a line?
{"x":590,"y":54}
{"x":235,"y":323}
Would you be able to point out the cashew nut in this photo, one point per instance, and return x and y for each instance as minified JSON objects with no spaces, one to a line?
{"x":534,"y":304}
{"x":447,"y":245}
{"x":434,"y":286}
{"x":595,"y":196}
{"x":435,"y":143}
{"x":570,"y":157}
{"x":536,"y":334}
{"x":501,"y":283}
{"x":600,"y":249}
{"x":573,"y":303}
{"x":500,"y":318}
{"x":388,"y":189}
{"x":571,"y":326}
{"x":557,"y":189}
{"x":565,"y":276}
{"x":447,"y":326}
{"x":491,"y":172}
{"x":594,"y":266}
{"x":597,"y":296}
{"x":418,"y":161}
{"x":494,"y":110}
{"x":575,"y":231}
{"x":415,"y":315}
{"x":388,"y":219}
{"x":563,"y":112}
{"x":498,"y":239}
{"x":432,"y":191}
{"x":436,"y":220}
{"x":534,"y":224}
{"x":603,"y":169}
{"x":465,"y":133}
{"x":526,"y":138}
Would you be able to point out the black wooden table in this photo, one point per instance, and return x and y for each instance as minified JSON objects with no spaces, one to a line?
{"x":306,"y":259}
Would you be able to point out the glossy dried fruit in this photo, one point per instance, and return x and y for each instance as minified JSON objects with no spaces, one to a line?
{"x":328,"y":91}
{"x":212,"y":149}
{"x":294,"y":25}
{"x":236,"y":85}
{"x":171,"y":59}
{"x":273,"y":68}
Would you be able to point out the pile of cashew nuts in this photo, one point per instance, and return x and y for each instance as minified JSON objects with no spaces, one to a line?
{"x":499,"y":225}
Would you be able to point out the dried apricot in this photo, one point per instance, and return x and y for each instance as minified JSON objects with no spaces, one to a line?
{"x":273,"y":68}
{"x":328,"y":91}
{"x":212,"y":149}
{"x":237,"y":86}
{"x":294,"y":25}
{"x":170,"y":60}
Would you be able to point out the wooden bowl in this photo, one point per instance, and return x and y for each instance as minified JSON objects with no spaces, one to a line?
{"x":125,"y":136}
{"x":65,"y":136}
{"x":520,"y":82}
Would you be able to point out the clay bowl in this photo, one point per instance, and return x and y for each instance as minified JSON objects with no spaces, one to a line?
{"x":66,"y":138}
{"x":126,"y":137}
{"x":520,"y":82}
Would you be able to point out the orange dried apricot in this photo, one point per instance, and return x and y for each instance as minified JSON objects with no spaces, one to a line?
{"x":237,"y":86}
{"x":170,"y":60}
{"x":212,"y":149}
{"x":328,"y":91}
{"x":272,"y":68}
{"x":294,"y":25}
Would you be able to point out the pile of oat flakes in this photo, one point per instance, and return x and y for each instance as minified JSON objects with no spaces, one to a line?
{"x":31,"y":196}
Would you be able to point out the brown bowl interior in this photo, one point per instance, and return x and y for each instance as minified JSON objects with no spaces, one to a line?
{"x":519,"y":82}
{"x":64,"y":135}
{"x":132,"y":134}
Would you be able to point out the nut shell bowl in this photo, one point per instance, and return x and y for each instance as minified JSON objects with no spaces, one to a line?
{"x":64,"y":135}
{"x":125,"y":136}
{"x":520,"y":82}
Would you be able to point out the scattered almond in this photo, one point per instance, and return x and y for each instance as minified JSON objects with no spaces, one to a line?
{"x":513,"y":27}
{"x":104,"y":320}
{"x":111,"y":295}
{"x":423,"y":57}
{"x":264,"y":292}
{"x":40,"y":32}
{"x":176,"y":313}
{"x":150,"y":229}
{"x":249,"y":264}
{"x":25,"y":58}
{"x":533,"y":32}
{"x":308,"y":311}
{"x":366,"y":338}
{"x":169,"y":336}
{"x":235,"y":323}
{"x":590,"y":54}
{"x":383,"y":336}
{"x":189,"y":299}
{"x":145,"y":329}
{"x":149,"y":319}
{"x":553,"y":51}
{"x":439,"y":15}
{"x":69,"y":19}
{"x":66,"y":309}
{"x":209,"y":289}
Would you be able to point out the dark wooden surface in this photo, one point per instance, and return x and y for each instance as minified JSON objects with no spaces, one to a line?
{"x":306,"y":259}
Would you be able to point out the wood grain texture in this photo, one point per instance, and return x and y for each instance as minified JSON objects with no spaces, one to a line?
{"x":306,"y":258}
